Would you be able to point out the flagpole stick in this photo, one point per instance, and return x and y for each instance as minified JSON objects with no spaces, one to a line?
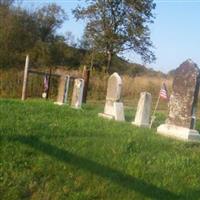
{"x":153,"y":116}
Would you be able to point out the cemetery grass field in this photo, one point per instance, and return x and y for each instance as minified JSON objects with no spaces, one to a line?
{"x":55,"y":152}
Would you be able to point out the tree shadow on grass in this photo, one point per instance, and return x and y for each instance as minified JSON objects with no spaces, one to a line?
{"x":124,"y":180}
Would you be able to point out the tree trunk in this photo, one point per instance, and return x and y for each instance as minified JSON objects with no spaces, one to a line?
{"x":109,"y":62}
{"x":49,"y":83}
{"x":86,"y":77}
{"x":92,"y":61}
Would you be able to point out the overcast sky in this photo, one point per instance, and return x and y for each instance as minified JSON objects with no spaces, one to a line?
{"x":175,"y":32}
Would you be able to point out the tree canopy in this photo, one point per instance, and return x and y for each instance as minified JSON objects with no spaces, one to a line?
{"x":116,"y":26}
{"x":34,"y":32}
{"x":113,"y":26}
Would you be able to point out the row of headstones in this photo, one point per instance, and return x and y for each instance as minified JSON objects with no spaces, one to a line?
{"x":114,"y":108}
{"x":181,"y":119}
{"x":63,"y":90}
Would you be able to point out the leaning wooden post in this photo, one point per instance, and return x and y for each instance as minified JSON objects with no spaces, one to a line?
{"x":86,"y":77}
{"x":25,"y":81}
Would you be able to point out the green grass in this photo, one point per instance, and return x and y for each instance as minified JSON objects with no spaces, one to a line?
{"x":53,"y":152}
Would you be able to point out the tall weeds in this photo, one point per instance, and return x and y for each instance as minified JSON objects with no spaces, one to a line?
{"x":11,"y":85}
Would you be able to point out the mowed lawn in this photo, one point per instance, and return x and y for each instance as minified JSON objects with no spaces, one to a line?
{"x":56,"y":152}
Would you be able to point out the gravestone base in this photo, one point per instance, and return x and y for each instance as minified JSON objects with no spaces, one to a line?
{"x":119,"y":111}
{"x":58,"y":103}
{"x":113,"y":111}
{"x":76,"y":106}
{"x":178,"y":132}
{"x":140,"y":125}
{"x":107,"y":116}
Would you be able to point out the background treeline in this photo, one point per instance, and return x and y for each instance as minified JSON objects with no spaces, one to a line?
{"x":35,"y":32}
{"x":11,"y":85}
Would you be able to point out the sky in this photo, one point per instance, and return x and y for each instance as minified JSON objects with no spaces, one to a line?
{"x":175,"y":32}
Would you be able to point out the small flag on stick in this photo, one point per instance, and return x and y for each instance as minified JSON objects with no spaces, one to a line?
{"x":46,"y":85}
{"x":164,"y":92}
{"x":164,"y":95}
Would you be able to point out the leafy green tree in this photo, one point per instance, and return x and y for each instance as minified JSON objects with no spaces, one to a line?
{"x":47,"y":49}
{"x":23,"y":32}
{"x":119,"y":25}
{"x":6,"y":3}
{"x":17,"y":35}
{"x":49,"y":18}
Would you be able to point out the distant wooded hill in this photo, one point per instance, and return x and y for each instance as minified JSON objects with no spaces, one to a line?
{"x":35,"y":33}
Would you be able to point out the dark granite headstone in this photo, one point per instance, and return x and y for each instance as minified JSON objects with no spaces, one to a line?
{"x":184,"y":97}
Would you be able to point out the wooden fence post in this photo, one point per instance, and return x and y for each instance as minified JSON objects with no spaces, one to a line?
{"x":86,"y":77}
{"x":49,"y":83}
{"x":25,"y":81}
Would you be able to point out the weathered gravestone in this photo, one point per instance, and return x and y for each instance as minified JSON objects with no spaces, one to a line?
{"x":183,"y":104}
{"x":63,"y":90}
{"x":77,"y":95}
{"x":142,"y":116}
{"x":114,"y":109}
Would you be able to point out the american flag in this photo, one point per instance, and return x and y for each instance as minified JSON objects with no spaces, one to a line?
{"x":46,"y":85}
{"x":164,"y":92}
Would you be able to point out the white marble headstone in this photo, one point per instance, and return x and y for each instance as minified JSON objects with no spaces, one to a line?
{"x":142,"y":117}
{"x":77,"y":95}
{"x":113,"y":107}
{"x":114,"y":87}
{"x":63,"y":90}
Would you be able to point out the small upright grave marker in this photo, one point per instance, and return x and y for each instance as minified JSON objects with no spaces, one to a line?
{"x":114,"y":108}
{"x":77,"y":95}
{"x":180,"y":123}
{"x":63,"y":90}
{"x":142,"y":116}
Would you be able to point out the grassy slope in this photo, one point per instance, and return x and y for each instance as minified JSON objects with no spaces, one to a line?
{"x":52,"y":152}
